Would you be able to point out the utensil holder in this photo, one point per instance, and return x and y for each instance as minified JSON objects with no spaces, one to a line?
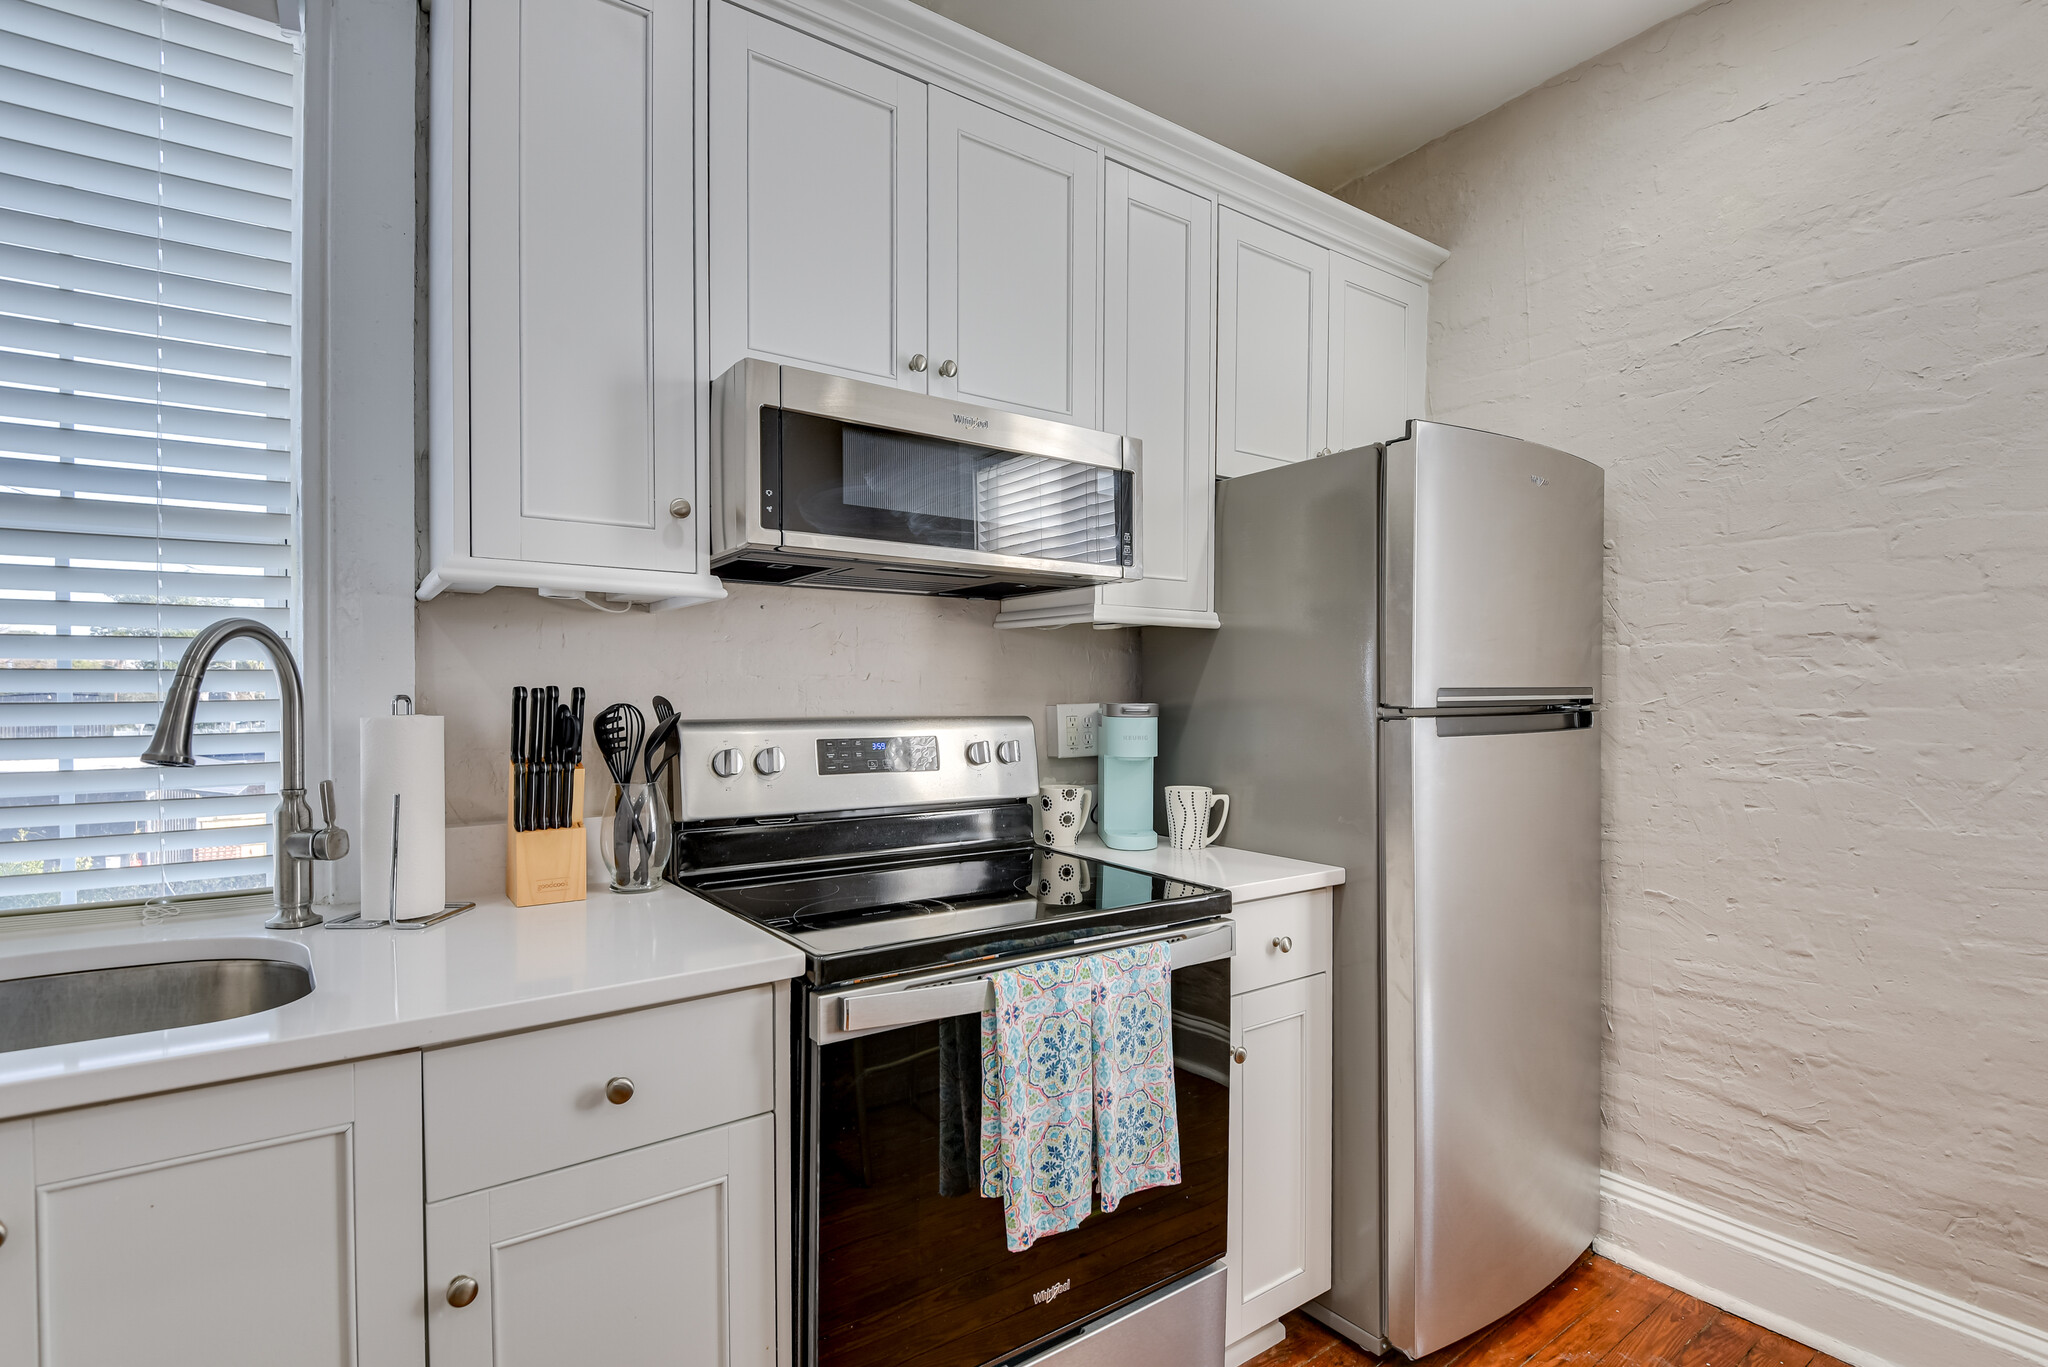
{"x":545,"y":866}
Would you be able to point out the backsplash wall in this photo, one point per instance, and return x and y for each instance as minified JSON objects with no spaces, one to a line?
{"x":1781,"y":269}
{"x":762,"y":652}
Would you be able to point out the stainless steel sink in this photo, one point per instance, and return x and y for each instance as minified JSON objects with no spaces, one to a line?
{"x":96,"y":1003}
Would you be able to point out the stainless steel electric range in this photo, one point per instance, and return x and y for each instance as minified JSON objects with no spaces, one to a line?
{"x":897,"y":853}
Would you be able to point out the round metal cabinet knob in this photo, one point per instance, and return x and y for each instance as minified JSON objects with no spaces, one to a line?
{"x":679,"y":507}
{"x":1283,"y":943}
{"x":726,"y":763}
{"x":619,"y":1091}
{"x":1237,"y":1053}
{"x":1010,"y":751}
{"x":461,"y":1291}
{"x":917,"y":362}
{"x":977,"y":752}
{"x":948,"y":369}
{"x":3,"y":1233}
{"x":768,"y":761}
{"x":1324,"y":452}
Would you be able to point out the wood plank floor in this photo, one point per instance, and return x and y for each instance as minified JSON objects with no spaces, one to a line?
{"x":1599,"y":1312}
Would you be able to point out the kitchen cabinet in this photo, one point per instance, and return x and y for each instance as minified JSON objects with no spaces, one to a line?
{"x":842,"y":191}
{"x":659,"y":1255}
{"x":1158,"y":341}
{"x":1317,"y":351}
{"x":817,"y":186}
{"x":1279,"y":1213}
{"x":566,"y":425}
{"x":1014,"y":250}
{"x":274,"y":1220}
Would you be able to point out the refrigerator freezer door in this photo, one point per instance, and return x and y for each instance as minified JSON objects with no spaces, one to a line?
{"x":1491,"y":892}
{"x":1491,"y":580}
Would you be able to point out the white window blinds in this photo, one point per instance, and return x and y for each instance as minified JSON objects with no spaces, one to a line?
{"x":148,"y":224}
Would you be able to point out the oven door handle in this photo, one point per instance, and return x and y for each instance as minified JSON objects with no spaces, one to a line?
{"x":840,"y":1014}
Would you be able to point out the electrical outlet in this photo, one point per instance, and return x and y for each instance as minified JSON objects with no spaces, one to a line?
{"x":1070,"y":729}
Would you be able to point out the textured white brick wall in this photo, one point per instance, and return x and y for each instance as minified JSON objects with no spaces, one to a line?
{"x":1782,"y":268}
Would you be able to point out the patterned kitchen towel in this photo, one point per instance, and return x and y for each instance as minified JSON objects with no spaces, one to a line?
{"x":1137,"y":1133}
{"x":1037,"y":1103}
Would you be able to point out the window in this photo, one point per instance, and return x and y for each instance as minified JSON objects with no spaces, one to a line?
{"x":148,"y":284}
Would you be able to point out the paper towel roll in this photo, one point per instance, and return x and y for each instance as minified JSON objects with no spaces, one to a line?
{"x":403,"y":758}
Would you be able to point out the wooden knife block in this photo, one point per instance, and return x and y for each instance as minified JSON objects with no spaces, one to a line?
{"x":545,"y":866}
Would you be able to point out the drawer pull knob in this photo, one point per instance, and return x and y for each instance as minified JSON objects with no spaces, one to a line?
{"x":3,"y":1234}
{"x":461,"y":1291}
{"x":1283,"y":943}
{"x":619,"y":1091}
{"x":1237,"y":1053}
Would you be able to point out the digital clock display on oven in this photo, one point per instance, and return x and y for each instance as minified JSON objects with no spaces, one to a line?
{"x":878,"y":755}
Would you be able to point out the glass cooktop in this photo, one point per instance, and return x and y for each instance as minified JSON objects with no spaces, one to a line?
{"x":881,"y":917}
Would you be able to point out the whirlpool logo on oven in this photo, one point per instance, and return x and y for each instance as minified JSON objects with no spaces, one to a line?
{"x":1051,"y":1292}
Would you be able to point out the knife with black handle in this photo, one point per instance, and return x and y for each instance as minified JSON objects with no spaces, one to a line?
{"x":519,"y":757}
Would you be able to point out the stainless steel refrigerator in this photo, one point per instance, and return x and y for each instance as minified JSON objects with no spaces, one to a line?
{"x":1407,"y":682}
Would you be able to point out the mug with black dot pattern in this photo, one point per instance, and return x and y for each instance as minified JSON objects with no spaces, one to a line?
{"x":1058,"y":814}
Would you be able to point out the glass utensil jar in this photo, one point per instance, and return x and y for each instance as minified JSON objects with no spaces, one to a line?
{"x":635,"y":837}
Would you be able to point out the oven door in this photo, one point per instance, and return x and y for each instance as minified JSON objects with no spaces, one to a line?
{"x":904,"y":1264}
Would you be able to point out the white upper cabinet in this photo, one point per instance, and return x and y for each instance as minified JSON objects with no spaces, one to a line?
{"x":568,"y":461}
{"x":1014,"y":243}
{"x":1158,"y":344}
{"x":1272,"y":359}
{"x":1379,"y":336}
{"x":817,"y":186}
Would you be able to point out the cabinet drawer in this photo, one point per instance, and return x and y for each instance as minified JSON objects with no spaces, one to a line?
{"x":503,"y":1109}
{"x":1300,"y":920}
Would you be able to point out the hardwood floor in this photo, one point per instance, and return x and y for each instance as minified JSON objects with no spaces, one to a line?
{"x":1598,"y":1312}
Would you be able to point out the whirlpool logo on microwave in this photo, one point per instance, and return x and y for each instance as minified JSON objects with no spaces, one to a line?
{"x":1051,"y":1292}
{"x":966,"y":421}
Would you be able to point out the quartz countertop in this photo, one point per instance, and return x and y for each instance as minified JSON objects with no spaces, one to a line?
{"x":491,"y":970}
{"x":1247,"y":875}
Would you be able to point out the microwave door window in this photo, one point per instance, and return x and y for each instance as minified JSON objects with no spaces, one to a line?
{"x":867,"y":483}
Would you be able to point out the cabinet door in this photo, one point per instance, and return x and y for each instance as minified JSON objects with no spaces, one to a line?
{"x":661,"y":1255}
{"x":817,"y":185}
{"x":582,"y":270}
{"x":1379,"y":336}
{"x":1279,"y":1213}
{"x":1014,"y":243}
{"x":18,"y":1242}
{"x":264,"y":1222}
{"x":1158,"y":246}
{"x":1272,"y":295}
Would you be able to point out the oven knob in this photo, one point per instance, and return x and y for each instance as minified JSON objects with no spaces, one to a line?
{"x":768,"y":761}
{"x":726,"y":763}
{"x":977,"y":752}
{"x":1009,"y":751}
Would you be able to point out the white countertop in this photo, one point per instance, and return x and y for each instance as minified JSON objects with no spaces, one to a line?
{"x":1248,"y":875}
{"x":494,"y":969}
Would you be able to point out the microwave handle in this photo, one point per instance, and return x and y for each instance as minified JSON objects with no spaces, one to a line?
{"x":841,"y":1014}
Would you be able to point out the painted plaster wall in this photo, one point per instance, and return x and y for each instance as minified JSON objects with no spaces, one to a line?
{"x":1783,"y":270}
{"x":763,"y":652}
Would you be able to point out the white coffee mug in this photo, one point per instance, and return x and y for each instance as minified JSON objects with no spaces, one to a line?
{"x":1059,"y":879}
{"x":1187,"y":816}
{"x":1059,"y":813}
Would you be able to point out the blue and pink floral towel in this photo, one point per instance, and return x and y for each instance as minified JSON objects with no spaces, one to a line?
{"x":1077,"y":1088}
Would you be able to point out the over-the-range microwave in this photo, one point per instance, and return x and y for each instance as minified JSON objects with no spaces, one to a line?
{"x":836,"y":483}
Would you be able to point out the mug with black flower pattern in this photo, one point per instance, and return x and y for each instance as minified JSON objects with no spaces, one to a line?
{"x":1058,"y":813}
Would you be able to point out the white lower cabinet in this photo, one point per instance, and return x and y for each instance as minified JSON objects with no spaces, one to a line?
{"x":254,"y":1223}
{"x":660,"y":1255}
{"x":1279,"y":1214}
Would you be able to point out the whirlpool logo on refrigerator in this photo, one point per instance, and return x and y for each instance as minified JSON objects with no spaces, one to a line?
{"x":1051,"y":1292}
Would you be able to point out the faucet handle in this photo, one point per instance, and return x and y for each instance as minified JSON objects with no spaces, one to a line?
{"x":330,"y":841}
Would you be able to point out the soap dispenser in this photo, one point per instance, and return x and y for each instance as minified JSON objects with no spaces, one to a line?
{"x":1126,"y":748}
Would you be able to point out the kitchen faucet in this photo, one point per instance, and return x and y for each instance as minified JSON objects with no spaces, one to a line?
{"x":298,"y":841}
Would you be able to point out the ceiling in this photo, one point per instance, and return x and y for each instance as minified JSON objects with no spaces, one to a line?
{"x":1323,"y":90}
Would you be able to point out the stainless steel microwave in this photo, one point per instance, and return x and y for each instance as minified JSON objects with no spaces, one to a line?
{"x":834,"y":483}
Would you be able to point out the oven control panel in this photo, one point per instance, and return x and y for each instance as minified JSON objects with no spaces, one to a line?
{"x":738,"y":769}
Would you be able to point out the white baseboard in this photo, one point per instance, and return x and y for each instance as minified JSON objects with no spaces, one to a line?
{"x":1858,"y":1314}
